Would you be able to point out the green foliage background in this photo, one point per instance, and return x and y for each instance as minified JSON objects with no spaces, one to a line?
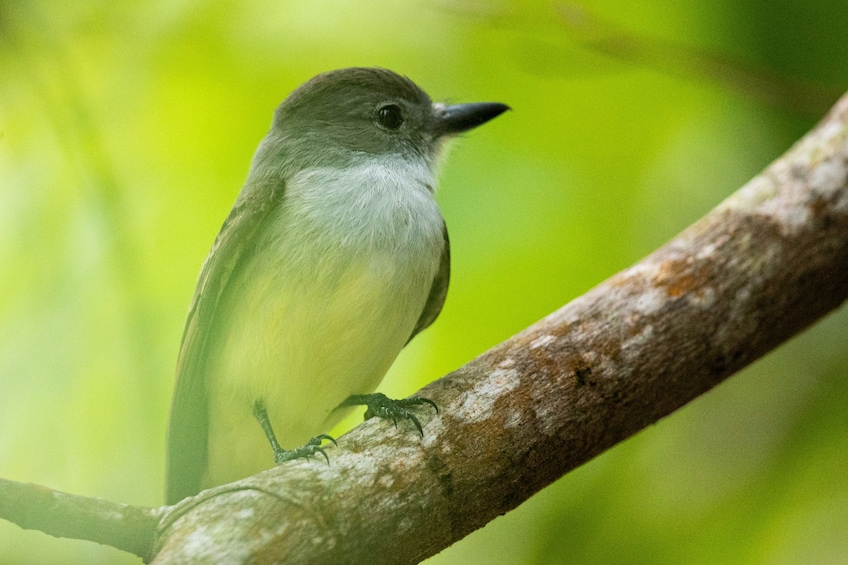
{"x":125,"y":134}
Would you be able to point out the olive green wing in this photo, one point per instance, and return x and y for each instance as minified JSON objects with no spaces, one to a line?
{"x":188,"y":428}
{"x":438,"y":292}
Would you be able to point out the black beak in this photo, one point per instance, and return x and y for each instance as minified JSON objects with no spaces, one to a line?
{"x":458,"y":118}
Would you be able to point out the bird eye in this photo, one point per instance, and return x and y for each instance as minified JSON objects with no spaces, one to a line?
{"x":390,"y":116}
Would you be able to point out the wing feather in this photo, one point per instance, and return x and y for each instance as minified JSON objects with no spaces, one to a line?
{"x":438,"y":291}
{"x":188,"y":427}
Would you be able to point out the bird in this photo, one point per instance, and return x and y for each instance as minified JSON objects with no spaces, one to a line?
{"x":333,"y":257}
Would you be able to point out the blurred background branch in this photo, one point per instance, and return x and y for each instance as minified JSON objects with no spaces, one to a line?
{"x":756,"y":82}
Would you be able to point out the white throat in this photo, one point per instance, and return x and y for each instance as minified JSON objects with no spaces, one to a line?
{"x":382,"y":202}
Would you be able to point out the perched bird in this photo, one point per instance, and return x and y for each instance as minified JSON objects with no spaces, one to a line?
{"x":333,"y":257}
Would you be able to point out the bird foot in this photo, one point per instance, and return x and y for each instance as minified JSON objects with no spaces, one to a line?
{"x":312,"y":447}
{"x":381,"y":406}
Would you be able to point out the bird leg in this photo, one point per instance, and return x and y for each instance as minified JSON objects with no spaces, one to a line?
{"x":281,"y":455}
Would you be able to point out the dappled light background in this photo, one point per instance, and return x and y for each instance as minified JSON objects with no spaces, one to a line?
{"x":126,"y":130}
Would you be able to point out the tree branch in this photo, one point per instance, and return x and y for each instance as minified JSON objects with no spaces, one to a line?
{"x":758,"y":269}
{"x":130,"y":528}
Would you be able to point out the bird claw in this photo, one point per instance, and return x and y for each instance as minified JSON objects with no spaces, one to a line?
{"x":381,"y":406}
{"x":312,"y":447}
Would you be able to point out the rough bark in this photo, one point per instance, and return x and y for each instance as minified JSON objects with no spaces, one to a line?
{"x":758,"y":269}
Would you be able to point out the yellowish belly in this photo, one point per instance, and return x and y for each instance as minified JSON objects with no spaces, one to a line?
{"x":304,"y":344}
